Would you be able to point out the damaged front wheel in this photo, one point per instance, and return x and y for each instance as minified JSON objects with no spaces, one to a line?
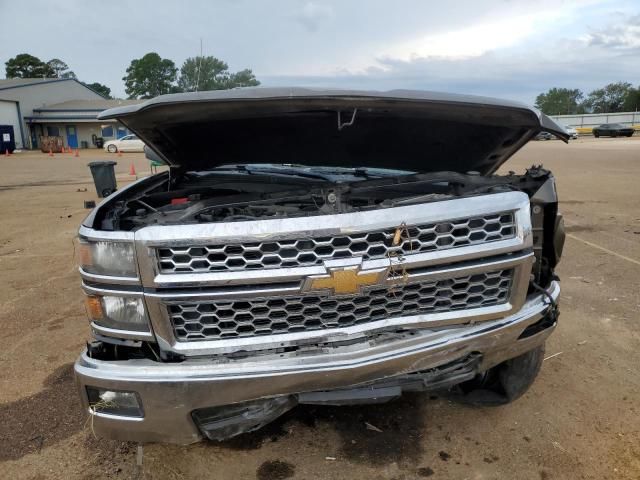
{"x":503,"y":383}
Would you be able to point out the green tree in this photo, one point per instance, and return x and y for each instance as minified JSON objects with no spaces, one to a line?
{"x":27,"y":66}
{"x":203,"y":73}
{"x":99,"y":88}
{"x":632,"y":100}
{"x":150,"y":76}
{"x":210,"y":73}
{"x":59,"y":69}
{"x":609,"y":99}
{"x":243,"y":78}
{"x":560,"y":101}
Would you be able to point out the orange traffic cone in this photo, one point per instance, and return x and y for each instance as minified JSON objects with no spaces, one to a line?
{"x":132,"y":170}
{"x":50,"y":153}
{"x":77,"y":153}
{"x":119,"y":152}
{"x":6,"y":152}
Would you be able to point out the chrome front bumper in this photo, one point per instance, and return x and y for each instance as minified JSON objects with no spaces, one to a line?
{"x":170,"y":392}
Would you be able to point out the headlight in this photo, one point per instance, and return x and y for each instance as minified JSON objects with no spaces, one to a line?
{"x":122,"y":313}
{"x":108,"y":258}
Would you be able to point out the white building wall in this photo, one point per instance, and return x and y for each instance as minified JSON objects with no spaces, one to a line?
{"x":84,"y":130}
{"x":9,"y":116}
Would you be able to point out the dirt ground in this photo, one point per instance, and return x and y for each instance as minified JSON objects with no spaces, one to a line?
{"x":581,"y":419}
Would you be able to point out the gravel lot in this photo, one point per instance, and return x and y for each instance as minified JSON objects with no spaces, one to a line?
{"x":581,"y":419}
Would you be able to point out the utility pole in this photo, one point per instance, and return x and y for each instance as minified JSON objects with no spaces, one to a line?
{"x":199,"y":66}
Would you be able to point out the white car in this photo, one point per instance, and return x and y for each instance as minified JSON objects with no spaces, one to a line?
{"x":129,"y":143}
{"x":573,"y":133}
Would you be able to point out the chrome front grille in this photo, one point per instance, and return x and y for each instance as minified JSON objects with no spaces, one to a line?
{"x":313,"y":251}
{"x":214,"y":320}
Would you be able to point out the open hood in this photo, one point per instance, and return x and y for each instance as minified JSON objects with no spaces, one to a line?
{"x":400,"y":129}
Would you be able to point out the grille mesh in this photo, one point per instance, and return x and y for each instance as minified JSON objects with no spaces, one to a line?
{"x":267,"y":316}
{"x":312,"y":251}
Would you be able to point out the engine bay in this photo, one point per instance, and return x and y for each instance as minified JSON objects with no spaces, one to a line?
{"x":243,"y":194}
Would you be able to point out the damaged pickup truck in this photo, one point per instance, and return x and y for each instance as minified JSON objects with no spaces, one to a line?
{"x":316,"y":247}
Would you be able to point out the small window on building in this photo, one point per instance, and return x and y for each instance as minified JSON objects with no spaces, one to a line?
{"x":107,"y":132}
{"x":53,"y":131}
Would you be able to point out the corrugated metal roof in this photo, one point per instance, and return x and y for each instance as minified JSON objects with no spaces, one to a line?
{"x":68,"y":119}
{"x":21,"y":82}
{"x":96,"y":105}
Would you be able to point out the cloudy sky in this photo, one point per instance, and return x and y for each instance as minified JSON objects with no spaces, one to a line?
{"x":507,"y":48}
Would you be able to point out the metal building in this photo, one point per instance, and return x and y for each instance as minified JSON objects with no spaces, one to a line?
{"x":64,"y":107}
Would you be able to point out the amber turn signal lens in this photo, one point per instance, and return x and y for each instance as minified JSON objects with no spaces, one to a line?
{"x":84,"y":254}
{"x":94,"y":307}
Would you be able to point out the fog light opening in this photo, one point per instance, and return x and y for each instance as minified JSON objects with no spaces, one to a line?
{"x":114,"y":402}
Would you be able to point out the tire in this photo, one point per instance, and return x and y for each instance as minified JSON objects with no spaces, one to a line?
{"x":112,"y":149}
{"x":631,"y":134}
{"x":614,"y":135}
{"x":503,"y":383}
{"x":596,"y":134}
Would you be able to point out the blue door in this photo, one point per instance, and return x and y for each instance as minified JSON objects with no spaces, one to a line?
{"x":121,"y":132}
{"x":72,"y":136}
{"x":34,"y":136}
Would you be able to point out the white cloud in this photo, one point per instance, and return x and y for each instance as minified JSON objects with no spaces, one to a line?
{"x":517,"y":55}
{"x":571,"y":60}
{"x":619,"y":36}
{"x":472,"y":41}
{"x":313,"y":14}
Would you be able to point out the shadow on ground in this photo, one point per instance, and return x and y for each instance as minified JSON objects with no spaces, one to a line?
{"x":401,"y":425}
{"x":43,"y":419}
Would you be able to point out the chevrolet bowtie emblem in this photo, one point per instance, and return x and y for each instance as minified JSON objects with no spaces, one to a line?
{"x":346,"y":280}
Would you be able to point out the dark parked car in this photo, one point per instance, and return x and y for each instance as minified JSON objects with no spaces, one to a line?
{"x":612,"y":130}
